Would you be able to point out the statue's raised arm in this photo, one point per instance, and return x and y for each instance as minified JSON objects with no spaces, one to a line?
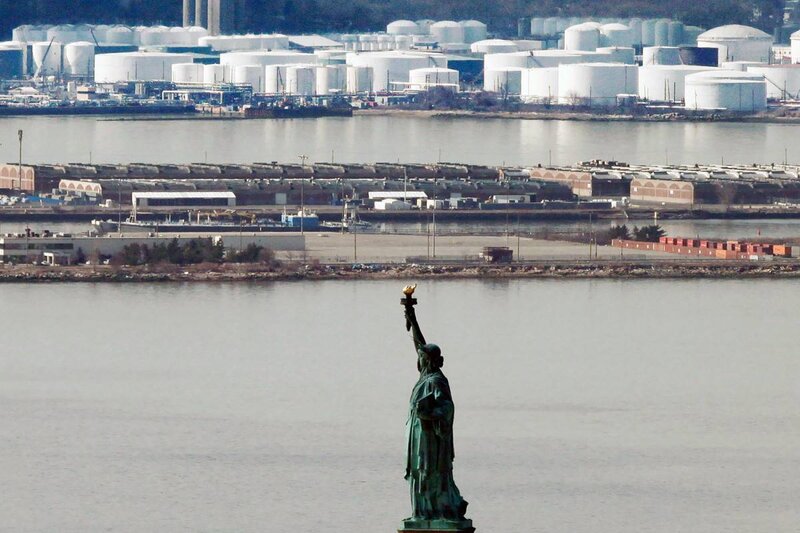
{"x":411,"y":317}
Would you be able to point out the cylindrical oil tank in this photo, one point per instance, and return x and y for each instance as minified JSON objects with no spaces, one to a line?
{"x":275,"y":79}
{"x":584,"y":37}
{"x":635,"y":24}
{"x":596,"y":84}
{"x":386,"y":42}
{"x":648,"y":32}
{"x":403,"y":42}
{"x":252,"y":75}
{"x":368,"y":42}
{"x":474,"y":31}
{"x":539,"y":85}
{"x":154,"y":36}
{"x":359,"y":79}
{"x":523,"y":27}
{"x":618,"y":54}
{"x":187,"y":73}
{"x":422,"y":79}
{"x":402,"y":27}
{"x":119,"y":35}
{"x":447,"y":31}
{"x":11,"y":62}
{"x":662,"y":32}
{"x":616,"y":35}
{"x":349,"y":40}
{"x":330,"y":57}
{"x":195,"y":33}
{"x":740,"y":66}
{"x":301,"y":80}
{"x":738,"y":43}
{"x":665,"y":83}
{"x":68,"y":33}
{"x":783,"y":81}
{"x":507,"y":80}
{"x":266,"y":57}
{"x":550,"y":58}
{"x":213,"y":74}
{"x":675,"y":33}
{"x":21,"y":34}
{"x":46,"y":58}
{"x":696,"y":55}
{"x":493,"y":46}
{"x":331,"y":79}
{"x":181,"y":36}
{"x":727,"y":90}
{"x":795,"y":47}
{"x":537,"y":26}
{"x":691,"y":33}
{"x":550,"y":26}
{"x":136,"y":66}
{"x":508,"y":59}
{"x":99,"y":32}
{"x":394,"y":66}
{"x":424,"y":26}
{"x":661,"y":55}
{"x":79,"y":59}
{"x":527,"y":45}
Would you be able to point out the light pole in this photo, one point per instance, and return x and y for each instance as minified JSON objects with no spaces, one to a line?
{"x":19,"y":167}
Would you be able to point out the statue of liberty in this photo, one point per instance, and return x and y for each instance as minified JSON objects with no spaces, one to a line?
{"x":436,"y":503}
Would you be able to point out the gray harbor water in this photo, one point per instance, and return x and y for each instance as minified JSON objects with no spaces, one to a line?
{"x":382,"y":138}
{"x":582,"y":406}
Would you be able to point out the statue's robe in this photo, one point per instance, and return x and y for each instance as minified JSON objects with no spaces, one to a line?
{"x":429,"y":466}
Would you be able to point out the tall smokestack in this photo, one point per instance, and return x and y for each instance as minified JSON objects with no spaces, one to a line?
{"x":200,"y":8}
{"x":213,"y":17}
{"x":187,"y":13}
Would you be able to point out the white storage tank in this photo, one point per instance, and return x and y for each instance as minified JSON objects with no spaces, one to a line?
{"x":493,"y":46}
{"x":740,"y":66}
{"x":616,"y":35}
{"x":524,"y":45}
{"x":187,"y":73}
{"x":783,"y":81}
{"x":665,"y":83}
{"x":68,"y":33}
{"x":675,"y":33}
{"x":596,"y":84}
{"x":662,"y":32}
{"x":584,"y":37}
{"x":350,"y":41}
{"x":154,"y":36}
{"x":691,"y":33}
{"x":728,"y":90}
{"x":181,"y":37}
{"x":266,"y":57}
{"x":424,"y":26}
{"x":79,"y":59}
{"x":550,"y":26}
{"x":386,"y":42}
{"x":552,"y":58}
{"x":474,"y":31}
{"x":402,"y":27}
{"x":618,"y":54}
{"x":537,"y":26}
{"x":635,"y":24}
{"x":661,"y":55}
{"x":539,"y":85}
{"x":402,"y":42}
{"x":136,"y":66}
{"x":447,"y":31}
{"x":394,"y":66}
{"x":195,"y":33}
{"x":738,"y":43}
{"x":508,"y":59}
{"x":331,"y":79}
{"x":213,"y":74}
{"x":648,"y":32}
{"x":46,"y":58}
{"x":275,"y":79}
{"x":119,"y":35}
{"x":359,"y":79}
{"x":507,"y":80}
{"x":252,"y":75}
{"x":422,"y":79}
{"x":795,"y":38}
{"x":301,"y":80}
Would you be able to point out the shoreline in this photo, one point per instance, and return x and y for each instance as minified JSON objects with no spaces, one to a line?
{"x":237,"y":273}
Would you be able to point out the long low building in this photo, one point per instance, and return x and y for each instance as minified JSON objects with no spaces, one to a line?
{"x":65,"y":248}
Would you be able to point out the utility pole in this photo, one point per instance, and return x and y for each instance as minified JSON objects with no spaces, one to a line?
{"x":433,"y":216}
